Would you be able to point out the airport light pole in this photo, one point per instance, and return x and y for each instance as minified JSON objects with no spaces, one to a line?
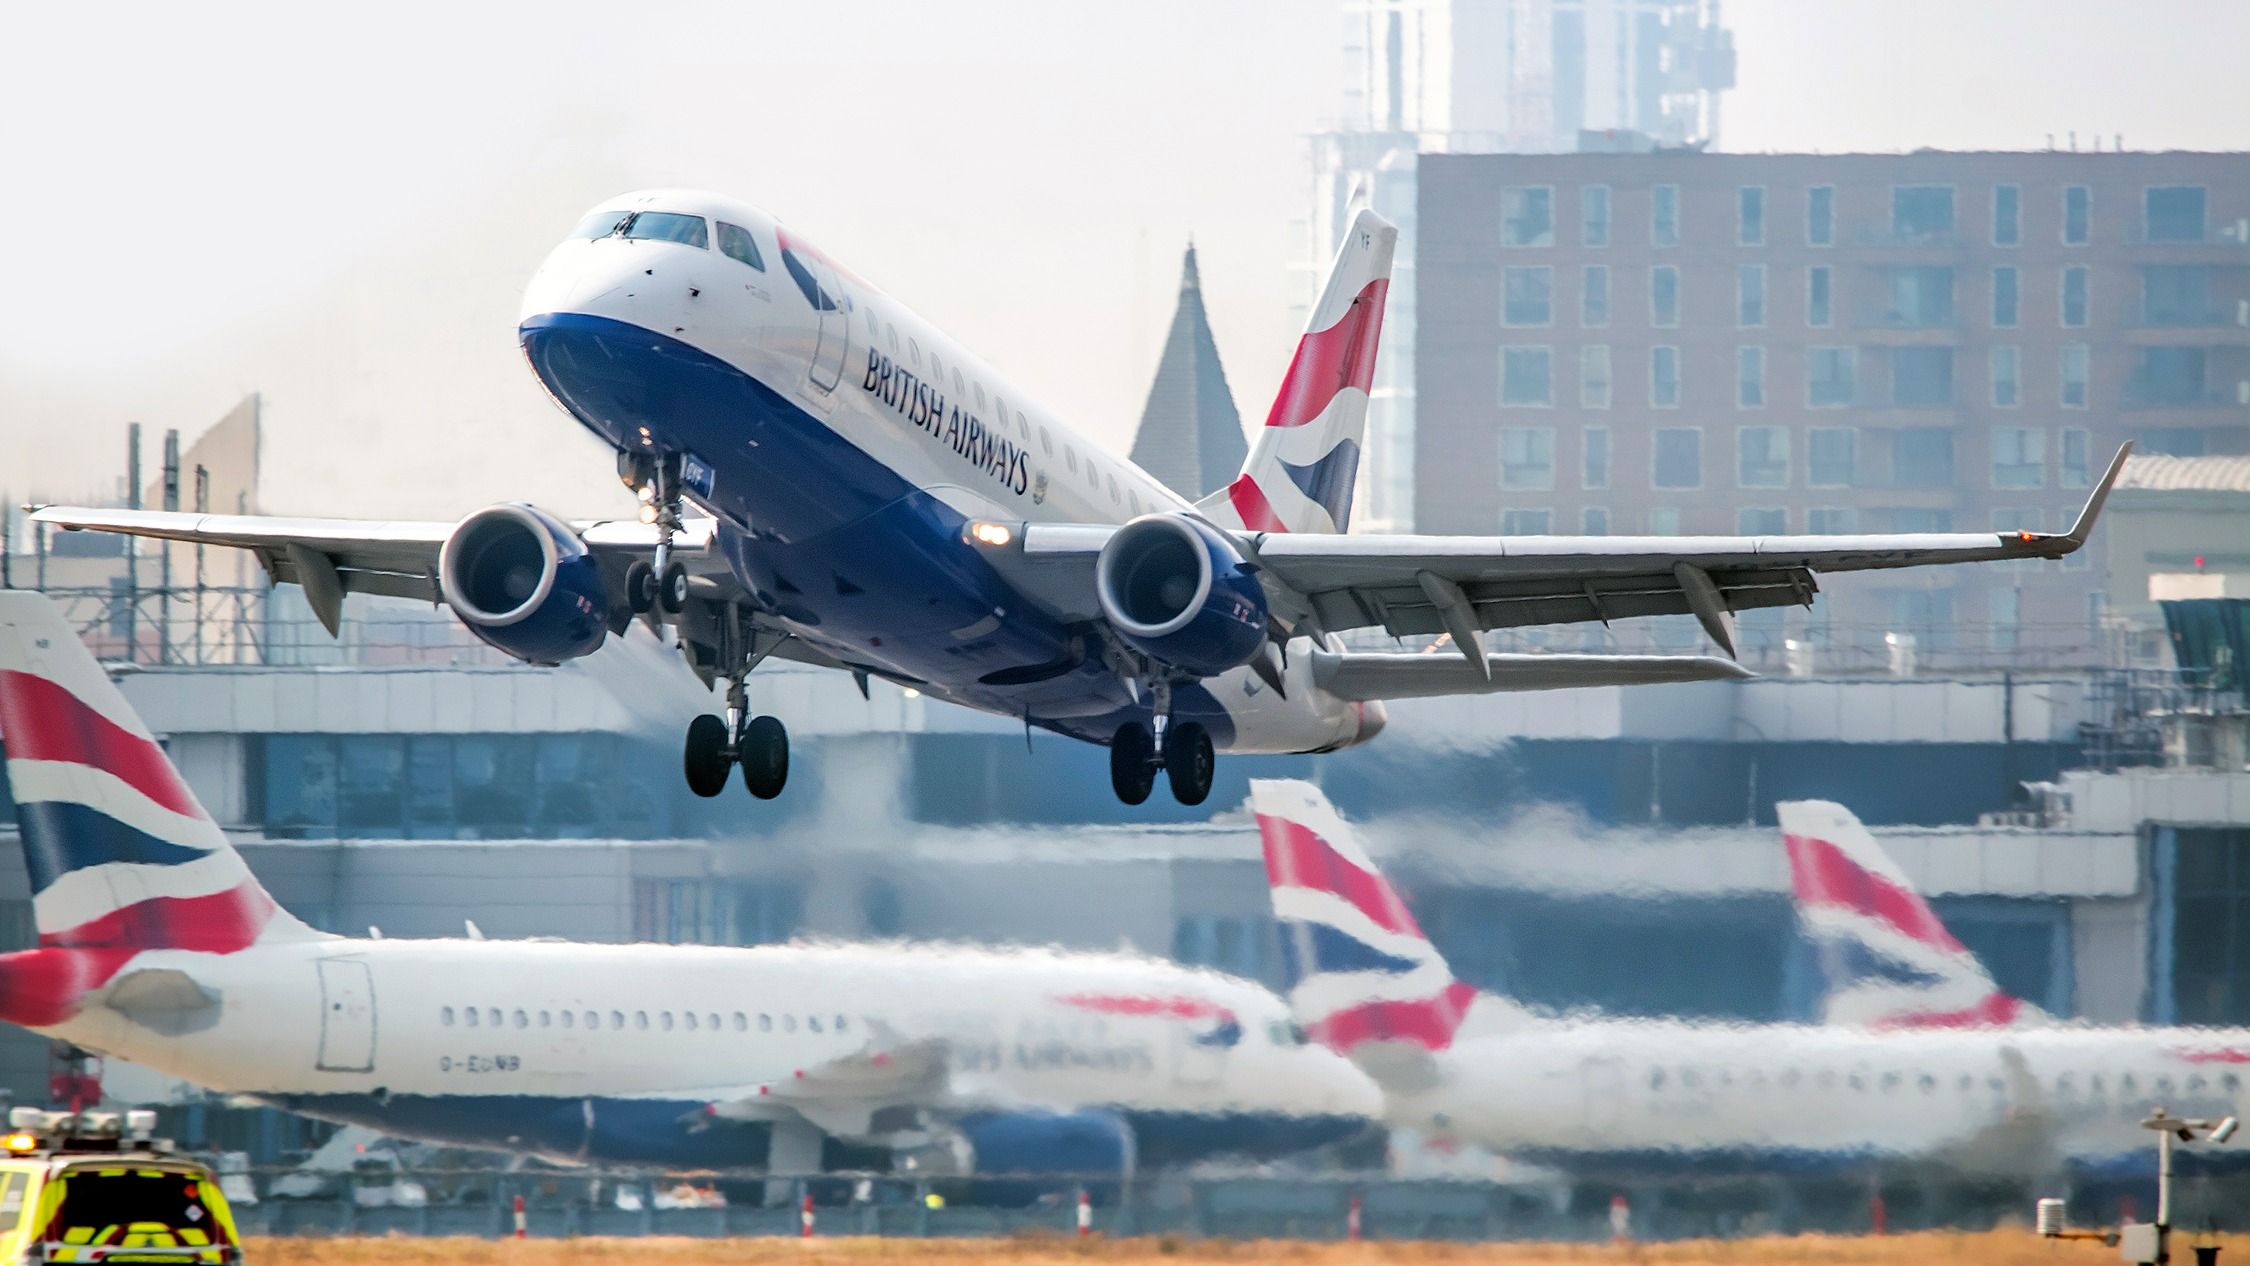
{"x":2149,"y":1243}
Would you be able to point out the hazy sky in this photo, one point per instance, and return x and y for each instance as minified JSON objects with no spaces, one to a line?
{"x":337,"y":204}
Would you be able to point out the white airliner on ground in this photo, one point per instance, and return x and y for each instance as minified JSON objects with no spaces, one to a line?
{"x":1887,"y":960}
{"x":1614,"y":1096}
{"x":884,"y":502}
{"x":157,"y":945}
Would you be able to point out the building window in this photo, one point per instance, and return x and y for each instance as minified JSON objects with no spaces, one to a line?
{"x":1921,"y":377}
{"x":1664,"y":216}
{"x":1593,"y":215}
{"x":1526,"y":522}
{"x":2172,"y":213}
{"x":1593,"y":296}
{"x":1921,"y":213}
{"x":1831,"y":521}
{"x":1820,"y":215}
{"x":1750,"y":215}
{"x":1922,"y":457}
{"x":2074,"y":296}
{"x":1818,"y":309}
{"x":1593,"y":376}
{"x":1664,"y":295}
{"x":2004,"y":298}
{"x":2076,"y":444}
{"x":1527,"y":457}
{"x":1762,"y":456}
{"x":2074,"y":373}
{"x":1595,"y":520}
{"x":1527,"y":296}
{"x":1664,"y":377}
{"x":1919,"y":297}
{"x":2177,"y":294}
{"x":2007,"y":387}
{"x":1527,"y":216}
{"x":1831,"y":376}
{"x":2007,"y":612}
{"x":1678,"y":458}
{"x":1750,"y":295}
{"x":1750,"y":377}
{"x":1594,"y":467}
{"x":1832,"y":456}
{"x":1664,"y":521}
{"x":2170,"y":377}
{"x":2078,"y":215}
{"x":1761,"y":520}
{"x":2019,"y":457}
{"x":2007,"y":215}
{"x":1526,"y":376}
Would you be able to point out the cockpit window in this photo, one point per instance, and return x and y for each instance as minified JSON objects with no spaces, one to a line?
{"x":736,"y":244}
{"x":666,"y":226}
{"x":600,"y":224}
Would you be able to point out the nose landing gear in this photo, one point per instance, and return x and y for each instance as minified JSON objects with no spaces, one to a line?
{"x":663,"y":582}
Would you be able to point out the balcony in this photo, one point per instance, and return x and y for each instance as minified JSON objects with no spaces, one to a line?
{"x":1883,"y":316}
{"x":2188,"y":317}
{"x":2142,"y":392}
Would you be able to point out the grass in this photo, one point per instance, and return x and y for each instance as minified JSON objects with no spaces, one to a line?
{"x":1995,"y":1248}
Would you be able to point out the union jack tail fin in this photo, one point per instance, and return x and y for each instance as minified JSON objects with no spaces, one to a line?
{"x":121,"y":857}
{"x":1889,"y":962}
{"x":1305,"y":460}
{"x":1362,"y":976}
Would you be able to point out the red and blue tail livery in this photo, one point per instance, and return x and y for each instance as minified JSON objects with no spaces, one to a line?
{"x":1360,"y":970}
{"x":121,"y":857}
{"x":1889,"y":962}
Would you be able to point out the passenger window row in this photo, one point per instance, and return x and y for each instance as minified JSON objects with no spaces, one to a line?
{"x":2064,"y":1084}
{"x":617,"y":1021}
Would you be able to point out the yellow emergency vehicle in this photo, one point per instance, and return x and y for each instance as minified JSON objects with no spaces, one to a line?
{"x":97,"y":1187}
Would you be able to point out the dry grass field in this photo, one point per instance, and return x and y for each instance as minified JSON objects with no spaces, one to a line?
{"x":1999,"y":1248}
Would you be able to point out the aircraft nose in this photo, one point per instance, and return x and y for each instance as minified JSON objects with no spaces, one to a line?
{"x":1372,"y":719}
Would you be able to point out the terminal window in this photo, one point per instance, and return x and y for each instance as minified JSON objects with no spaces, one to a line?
{"x":2211,"y":927}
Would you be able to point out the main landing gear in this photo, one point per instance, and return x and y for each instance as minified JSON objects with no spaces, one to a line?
{"x":663,"y":583}
{"x":760,"y":745}
{"x":1182,"y":751}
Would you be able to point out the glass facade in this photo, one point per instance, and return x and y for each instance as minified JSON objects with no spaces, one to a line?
{"x":454,"y":786}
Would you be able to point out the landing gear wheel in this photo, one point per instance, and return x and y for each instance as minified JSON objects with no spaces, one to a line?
{"x":706,"y":759}
{"x":640,"y":587}
{"x":1132,"y":763}
{"x":1188,"y":762}
{"x":764,"y":756}
{"x":672,"y":594}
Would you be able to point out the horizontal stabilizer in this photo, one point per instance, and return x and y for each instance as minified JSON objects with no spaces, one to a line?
{"x":1425,"y":676}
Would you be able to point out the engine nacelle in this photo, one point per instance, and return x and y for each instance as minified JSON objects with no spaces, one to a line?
{"x":524,"y":582}
{"x":1178,"y":591}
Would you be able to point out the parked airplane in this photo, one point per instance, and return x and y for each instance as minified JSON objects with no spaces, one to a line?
{"x":157,"y":945}
{"x":883,"y":502}
{"x":1887,"y":959}
{"x":1609,"y":1095}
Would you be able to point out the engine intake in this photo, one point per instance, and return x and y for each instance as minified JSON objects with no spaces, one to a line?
{"x":520,"y":579}
{"x":1177,"y":590}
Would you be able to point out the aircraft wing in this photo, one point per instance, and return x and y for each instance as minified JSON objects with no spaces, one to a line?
{"x":1463,"y":585}
{"x":842,"y":1095}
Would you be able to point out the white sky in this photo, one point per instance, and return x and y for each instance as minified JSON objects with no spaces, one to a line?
{"x":337,"y":205}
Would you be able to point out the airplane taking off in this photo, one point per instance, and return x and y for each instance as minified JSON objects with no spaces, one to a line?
{"x":1887,"y":959}
{"x":881,"y":501}
{"x":157,"y":945}
{"x":1616,"y":1096}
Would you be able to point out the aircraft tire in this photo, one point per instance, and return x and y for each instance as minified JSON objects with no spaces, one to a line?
{"x":1132,"y":764}
{"x":640,"y":587}
{"x":672,"y":593}
{"x":1189,"y":762}
{"x":705,"y":758}
{"x":764,"y":756}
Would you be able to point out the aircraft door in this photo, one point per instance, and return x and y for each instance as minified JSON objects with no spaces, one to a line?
{"x":827,"y":368}
{"x":347,"y":1016}
{"x":1602,"y":1095}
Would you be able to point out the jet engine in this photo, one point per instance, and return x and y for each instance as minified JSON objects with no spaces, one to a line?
{"x":524,"y":582}
{"x":1177,"y":590}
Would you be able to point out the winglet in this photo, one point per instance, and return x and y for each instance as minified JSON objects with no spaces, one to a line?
{"x":2076,"y":536}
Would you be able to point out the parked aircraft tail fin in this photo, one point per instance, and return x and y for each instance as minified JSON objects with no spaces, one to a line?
{"x":1888,"y":960}
{"x":121,"y":857}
